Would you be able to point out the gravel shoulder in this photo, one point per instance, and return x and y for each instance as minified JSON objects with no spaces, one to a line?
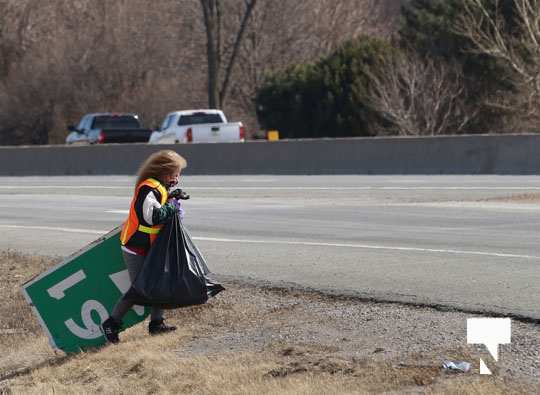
{"x":282,"y":339}
{"x":257,"y":318}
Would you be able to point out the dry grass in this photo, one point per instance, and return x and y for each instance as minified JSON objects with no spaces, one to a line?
{"x":20,"y":333}
{"x":214,"y":352}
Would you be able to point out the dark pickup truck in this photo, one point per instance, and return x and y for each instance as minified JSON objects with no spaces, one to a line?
{"x":100,"y":128}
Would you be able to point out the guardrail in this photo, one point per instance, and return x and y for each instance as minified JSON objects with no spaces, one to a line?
{"x":478,"y":154}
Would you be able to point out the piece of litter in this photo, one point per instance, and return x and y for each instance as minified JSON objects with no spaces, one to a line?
{"x":460,"y":366}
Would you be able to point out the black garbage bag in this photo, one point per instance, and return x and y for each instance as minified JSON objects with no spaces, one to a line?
{"x":198,"y":263}
{"x":174,"y":273}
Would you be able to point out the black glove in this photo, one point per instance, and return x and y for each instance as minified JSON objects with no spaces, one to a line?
{"x":178,"y":194}
{"x":162,"y":215}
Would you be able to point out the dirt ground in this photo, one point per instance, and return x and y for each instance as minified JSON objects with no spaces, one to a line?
{"x":254,"y":338}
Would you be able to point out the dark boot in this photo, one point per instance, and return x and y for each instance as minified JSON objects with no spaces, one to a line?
{"x":158,"y":326}
{"x":110,"y":329}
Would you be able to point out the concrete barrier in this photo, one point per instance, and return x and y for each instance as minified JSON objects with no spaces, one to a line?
{"x":479,"y":154}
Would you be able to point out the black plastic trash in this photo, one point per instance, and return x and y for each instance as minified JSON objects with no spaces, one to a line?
{"x":174,"y":273}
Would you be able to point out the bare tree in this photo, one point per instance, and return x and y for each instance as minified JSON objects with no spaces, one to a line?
{"x":78,"y":56}
{"x":286,"y":32}
{"x":420,"y":97}
{"x":25,"y":102}
{"x":15,"y":35}
{"x":518,"y":49}
{"x":213,"y":18}
{"x":60,"y":59}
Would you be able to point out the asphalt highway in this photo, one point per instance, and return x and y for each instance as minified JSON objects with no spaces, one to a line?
{"x":453,"y":241}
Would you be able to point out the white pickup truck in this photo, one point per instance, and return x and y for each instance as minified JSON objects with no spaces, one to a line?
{"x":197,"y":126}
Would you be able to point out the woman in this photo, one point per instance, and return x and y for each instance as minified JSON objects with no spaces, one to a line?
{"x":150,"y":209}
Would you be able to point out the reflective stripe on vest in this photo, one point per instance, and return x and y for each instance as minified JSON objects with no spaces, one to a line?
{"x":151,"y":231}
{"x":132,"y":224}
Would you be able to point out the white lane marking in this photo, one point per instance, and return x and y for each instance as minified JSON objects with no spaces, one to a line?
{"x":368,"y":246}
{"x":258,"y":180}
{"x":56,"y":229}
{"x":366,"y":188}
{"x":63,"y":187}
{"x":285,"y":188}
{"x":117,"y":211}
{"x":473,"y":205}
{"x":370,"y":188}
{"x":301,"y":243}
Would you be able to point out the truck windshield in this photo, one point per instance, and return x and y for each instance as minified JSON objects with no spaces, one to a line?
{"x":115,"y":122}
{"x":199,"y":117}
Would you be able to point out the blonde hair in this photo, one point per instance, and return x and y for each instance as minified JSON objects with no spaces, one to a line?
{"x":160,"y":164}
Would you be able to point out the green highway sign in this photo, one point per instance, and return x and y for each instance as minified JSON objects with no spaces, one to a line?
{"x":71,"y":299}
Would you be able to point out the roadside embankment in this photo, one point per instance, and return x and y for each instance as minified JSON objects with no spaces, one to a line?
{"x":262,"y":340}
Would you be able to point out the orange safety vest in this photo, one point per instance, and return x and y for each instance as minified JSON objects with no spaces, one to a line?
{"x":132,"y":224}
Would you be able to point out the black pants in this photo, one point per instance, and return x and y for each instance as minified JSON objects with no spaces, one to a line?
{"x":134,"y":264}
